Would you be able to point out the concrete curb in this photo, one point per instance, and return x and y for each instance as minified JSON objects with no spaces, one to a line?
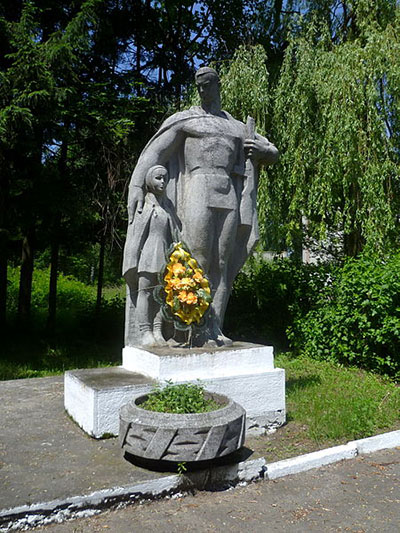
{"x":29,"y":516}
{"x":38,"y":514}
{"x":308,"y":461}
{"x":302,"y":463}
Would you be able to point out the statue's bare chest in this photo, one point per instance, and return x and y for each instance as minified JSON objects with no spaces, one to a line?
{"x":212,"y":142}
{"x":212,"y":127}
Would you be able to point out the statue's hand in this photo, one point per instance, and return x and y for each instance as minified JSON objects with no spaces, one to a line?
{"x":260,"y":150}
{"x":135,"y":202}
{"x":253,"y":148}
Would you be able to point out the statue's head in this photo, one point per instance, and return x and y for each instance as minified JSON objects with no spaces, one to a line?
{"x":156,"y":179}
{"x":207,"y":82}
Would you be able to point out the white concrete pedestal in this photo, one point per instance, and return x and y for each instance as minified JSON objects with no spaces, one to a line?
{"x":244,"y":372}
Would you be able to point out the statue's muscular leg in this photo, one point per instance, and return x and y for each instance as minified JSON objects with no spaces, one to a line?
{"x":200,"y":233}
{"x":211,"y":239}
{"x":226,"y":224}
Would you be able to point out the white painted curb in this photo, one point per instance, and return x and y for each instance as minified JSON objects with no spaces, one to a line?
{"x":38,"y":514}
{"x":302,"y":463}
{"x":378,"y":442}
{"x":29,"y":516}
{"x":310,"y":460}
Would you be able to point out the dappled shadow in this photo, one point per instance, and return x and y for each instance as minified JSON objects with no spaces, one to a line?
{"x":302,"y":382}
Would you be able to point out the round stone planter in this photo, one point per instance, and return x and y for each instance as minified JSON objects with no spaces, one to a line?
{"x":182,"y":437}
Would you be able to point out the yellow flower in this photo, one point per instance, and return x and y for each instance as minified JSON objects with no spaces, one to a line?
{"x":192,"y":263}
{"x":186,"y":283}
{"x":191,"y":298}
{"x":178,"y":269}
{"x":174,"y":283}
{"x":182,"y":279}
{"x":177,"y":255}
{"x":198,"y":277}
{"x":182,"y":296}
{"x":205,"y":285}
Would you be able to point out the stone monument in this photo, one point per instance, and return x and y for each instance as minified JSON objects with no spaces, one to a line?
{"x":213,"y":163}
{"x":192,"y":224}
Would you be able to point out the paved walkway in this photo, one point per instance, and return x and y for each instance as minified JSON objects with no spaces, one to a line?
{"x":44,"y":456}
{"x":361,"y":495}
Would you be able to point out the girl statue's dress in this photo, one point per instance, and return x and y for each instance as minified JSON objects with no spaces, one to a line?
{"x":148,"y":238}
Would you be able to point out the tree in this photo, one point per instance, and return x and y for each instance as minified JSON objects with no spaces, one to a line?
{"x":333,"y":111}
{"x":336,"y":115}
{"x":27,"y":95}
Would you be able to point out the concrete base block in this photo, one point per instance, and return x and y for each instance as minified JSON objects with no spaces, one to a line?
{"x":261,"y":395}
{"x":245,"y":373}
{"x":94,"y":397}
{"x":182,"y":364}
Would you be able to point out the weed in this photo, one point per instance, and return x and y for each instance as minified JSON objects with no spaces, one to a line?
{"x":181,"y":468}
{"x":108,"y":436}
{"x":181,"y":399}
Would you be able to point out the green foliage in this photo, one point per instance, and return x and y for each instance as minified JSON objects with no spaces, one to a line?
{"x":181,"y":468}
{"x":338,"y":403}
{"x":73,"y":296}
{"x":335,"y":120}
{"x":355,"y":318}
{"x":245,"y":86}
{"x":332,"y":107}
{"x":83,"y":337}
{"x":180,"y":399}
{"x":82,"y":264}
{"x":267,"y":296}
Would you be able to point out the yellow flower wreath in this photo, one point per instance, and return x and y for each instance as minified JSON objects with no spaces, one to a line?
{"x":188,"y":292}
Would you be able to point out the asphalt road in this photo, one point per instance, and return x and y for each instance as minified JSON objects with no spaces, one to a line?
{"x":361,"y":495}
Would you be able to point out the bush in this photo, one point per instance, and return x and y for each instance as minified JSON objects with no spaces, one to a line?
{"x":69,"y":290}
{"x":73,"y":297}
{"x":267,"y":296}
{"x":76,"y":306}
{"x":356,"y":317}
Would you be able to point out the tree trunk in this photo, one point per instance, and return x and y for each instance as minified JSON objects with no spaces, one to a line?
{"x":51,"y":317}
{"x":100,"y":275}
{"x":4,"y":236}
{"x":353,"y":243}
{"x":25,"y":280}
{"x":353,"y":240}
{"x":55,"y":241}
{"x":3,"y":276}
{"x":297,"y":242}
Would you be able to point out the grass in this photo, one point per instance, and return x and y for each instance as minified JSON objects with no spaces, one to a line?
{"x":335,"y":402}
{"x":329,"y":405}
{"x":82,"y":340}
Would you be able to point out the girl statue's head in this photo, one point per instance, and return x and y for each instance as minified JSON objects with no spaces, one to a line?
{"x":156,"y":179}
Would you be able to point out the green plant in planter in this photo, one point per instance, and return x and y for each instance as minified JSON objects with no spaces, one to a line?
{"x":180,"y":399}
